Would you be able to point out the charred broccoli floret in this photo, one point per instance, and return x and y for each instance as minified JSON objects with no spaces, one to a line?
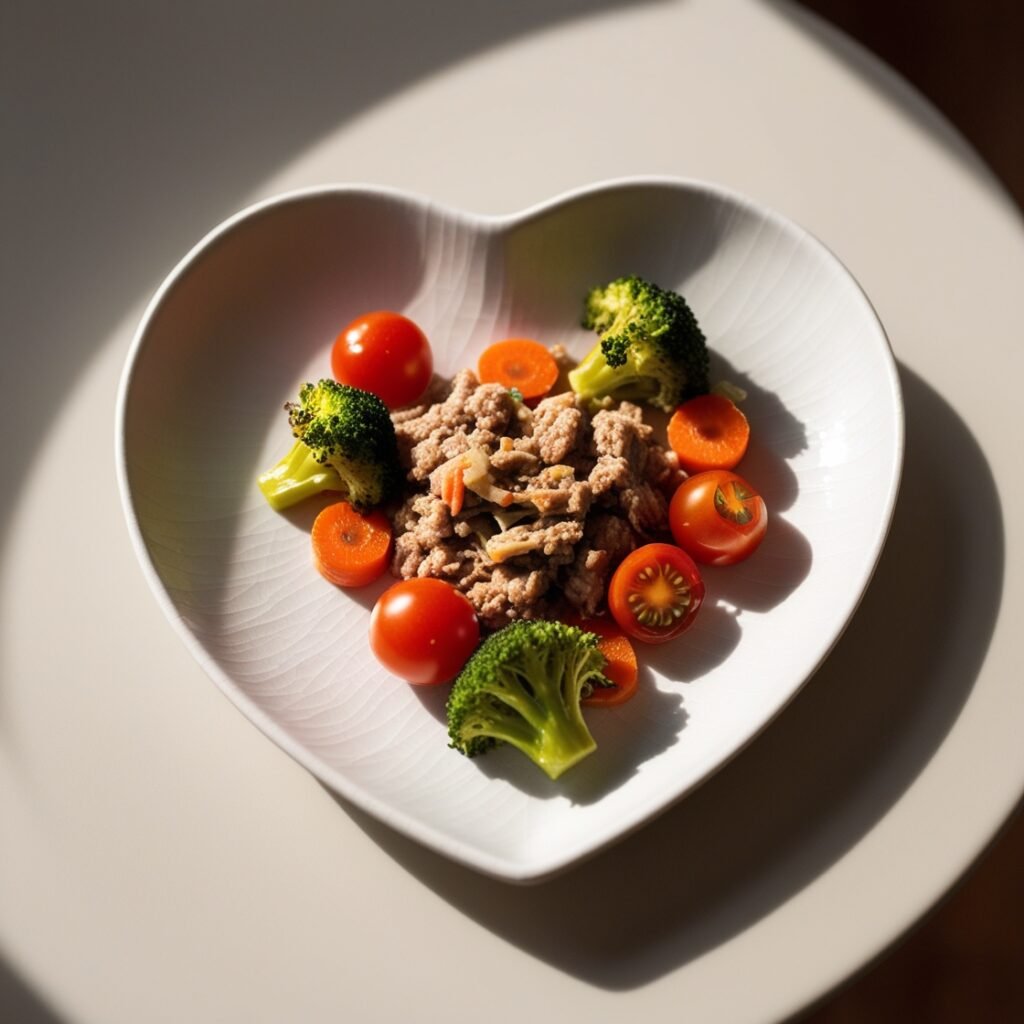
{"x":344,"y":441}
{"x":523,"y":686}
{"x":651,"y":347}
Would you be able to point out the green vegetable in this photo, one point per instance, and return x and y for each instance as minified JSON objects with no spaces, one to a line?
{"x":651,"y":347}
{"x":344,"y":441}
{"x":523,"y":686}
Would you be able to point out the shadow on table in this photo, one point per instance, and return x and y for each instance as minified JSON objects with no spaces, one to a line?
{"x":21,"y":1004}
{"x":816,"y":781}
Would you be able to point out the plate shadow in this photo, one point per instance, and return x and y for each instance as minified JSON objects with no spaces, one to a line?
{"x":815,"y":782}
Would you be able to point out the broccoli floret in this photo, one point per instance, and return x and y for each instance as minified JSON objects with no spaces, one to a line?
{"x":523,"y":686}
{"x":651,"y":349}
{"x":344,"y":441}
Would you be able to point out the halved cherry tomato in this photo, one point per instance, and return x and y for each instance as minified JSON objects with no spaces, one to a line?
{"x":385,"y":353}
{"x":423,"y":630}
{"x":718,"y":517}
{"x":655,"y":593}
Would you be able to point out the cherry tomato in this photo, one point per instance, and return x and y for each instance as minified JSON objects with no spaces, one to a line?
{"x":655,"y":593}
{"x":385,"y":353}
{"x":718,"y":517}
{"x":423,"y":630}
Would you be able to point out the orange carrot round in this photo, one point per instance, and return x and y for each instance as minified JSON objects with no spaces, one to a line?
{"x":519,"y":363}
{"x":350,"y":549}
{"x":620,"y":661}
{"x":708,"y":432}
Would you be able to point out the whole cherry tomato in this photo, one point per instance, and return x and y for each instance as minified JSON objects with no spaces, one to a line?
{"x":718,"y":517}
{"x":655,"y":593}
{"x":423,"y":630}
{"x":385,"y":353}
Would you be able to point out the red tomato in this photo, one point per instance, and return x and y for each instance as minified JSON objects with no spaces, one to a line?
{"x":655,"y":593}
{"x":423,"y":630}
{"x":385,"y":353}
{"x":718,"y":517}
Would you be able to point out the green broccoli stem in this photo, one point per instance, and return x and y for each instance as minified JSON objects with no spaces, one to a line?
{"x":564,"y":742}
{"x":594,"y":378}
{"x":557,"y":742}
{"x":556,"y":736}
{"x":296,"y":477}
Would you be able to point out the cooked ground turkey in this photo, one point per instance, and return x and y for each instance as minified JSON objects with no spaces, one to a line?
{"x":555,"y":497}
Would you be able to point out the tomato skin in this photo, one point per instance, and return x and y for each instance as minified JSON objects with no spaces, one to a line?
{"x":423,"y":630}
{"x":646,"y":585}
{"x":718,"y":517}
{"x":385,"y":353}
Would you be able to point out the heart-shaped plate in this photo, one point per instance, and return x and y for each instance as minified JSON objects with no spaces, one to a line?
{"x":251,"y":312}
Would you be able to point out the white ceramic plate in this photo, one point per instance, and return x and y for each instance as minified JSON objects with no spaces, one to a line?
{"x":251,"y":312}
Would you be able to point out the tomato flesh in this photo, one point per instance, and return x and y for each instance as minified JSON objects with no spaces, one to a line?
{"x":423,"y":630}
{"x":385,"y":353}
{"x":655,"y":593}
{"x":718,"y":517}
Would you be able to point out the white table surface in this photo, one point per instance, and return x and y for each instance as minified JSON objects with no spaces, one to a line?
{"x":160,"y":860}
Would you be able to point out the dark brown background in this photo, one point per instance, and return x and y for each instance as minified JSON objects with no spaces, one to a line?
{"x":965,"y":963}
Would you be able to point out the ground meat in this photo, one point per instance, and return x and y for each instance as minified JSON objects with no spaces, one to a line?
{"x":411,"y":558}
{"x":610,"y":473}
{"x":610,"y":533}
{"x":472,"y":414}
{"x":552,"y":537}
{"x":579,"y":492}
{"x":622,"y":433}
{"x":440,"y":418}
{"x":511,"y":593}
{"x":646,"y":508}
{"x":429,"y":519}
{"x":573,"y":499}
{"x":583,"y":584}
{"x":663,"y":469}
{"x":491,"y":408}
{"x":558,"y":425}
{"x":607,"y":539}
{"x":515,"y":462}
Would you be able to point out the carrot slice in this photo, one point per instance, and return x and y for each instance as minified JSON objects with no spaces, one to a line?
{"x":350,"y":549}
{"x":453,"y":487}
{"x":458,"y":490}
{"x":519,"y":363}
{"x":620,"y":661}
{"x":456,"y":485}
{"x":708,"y":432}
